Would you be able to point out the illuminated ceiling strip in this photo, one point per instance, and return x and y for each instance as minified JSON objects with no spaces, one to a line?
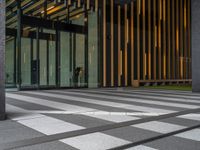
{"x":55,"y":9}
{"x":48,"y":9}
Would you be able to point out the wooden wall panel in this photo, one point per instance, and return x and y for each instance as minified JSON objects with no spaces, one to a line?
{"x":164,"y":40}
{"x":104,"y":43}
{"x":159,"y":40}
{"x":152,"y":42}
{"x":173,"y":40}
{"x":119,"y":45}
{"x":144,"y":57}
{"x":149,"y":38}
{"x":132,"y":42}
{"x":177,"y":40}
{"x":125,"y":46}
{"x":155,"y":39}
{"x":189,"y":40}
{"x":112,"y":40}
{"x":169,"y":47}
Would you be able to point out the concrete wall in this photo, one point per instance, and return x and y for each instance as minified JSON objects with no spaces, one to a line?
{"x":195,"y":5}
{"x":2,"y":59}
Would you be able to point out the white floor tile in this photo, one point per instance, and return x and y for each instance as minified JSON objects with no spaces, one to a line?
{"x":53,"y":104}
{"x":141,"y":147}
{"x":48,"y":125}
{"x":191,"y":135}
{"x":191,"y":117}
{"x":95,"y":141}
{"x":104,"y":103}
{"x":151,"y":97}
{"x":159,"y":127}
{"x":17,"y":113}
{"x":135,"y":99}
{"x":114,"y":118}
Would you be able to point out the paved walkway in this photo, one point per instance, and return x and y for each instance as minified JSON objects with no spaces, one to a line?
{"x":95,"y":119}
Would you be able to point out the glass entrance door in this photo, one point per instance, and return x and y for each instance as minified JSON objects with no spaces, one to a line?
{"x":79,"y":60}
{"x":43,"y":63}
{"x":43,"y":58}
{"x":72,"y":60}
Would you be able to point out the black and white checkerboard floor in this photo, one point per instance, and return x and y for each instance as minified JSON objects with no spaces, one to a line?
{"x":42,"y":114}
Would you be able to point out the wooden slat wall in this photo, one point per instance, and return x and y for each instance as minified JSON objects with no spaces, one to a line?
{"x":112,"y":40}
{"x":169,"y":46}
{"x":189,"y":39}
{"x":132,"y":41}
{"x":155,"y":39}
{"x":149,"y":37}
{"x":157,"y":35}
{"x":104,"y":43}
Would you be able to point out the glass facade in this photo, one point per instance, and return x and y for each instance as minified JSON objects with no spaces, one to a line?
{"x":99,"y":43}
{"x":10,"y":63}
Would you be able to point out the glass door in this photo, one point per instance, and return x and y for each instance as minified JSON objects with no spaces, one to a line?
{"x":43,"y":62}
{"x":72,"y":70}
{"x":10,"y":69}
{"x":65,"y":59}
{"x":79,"y":61}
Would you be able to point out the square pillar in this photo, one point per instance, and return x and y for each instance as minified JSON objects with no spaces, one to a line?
{"x":2,"y":59}
{"x":195,"y":29}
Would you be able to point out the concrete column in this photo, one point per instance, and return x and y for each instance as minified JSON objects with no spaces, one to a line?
{"x":2,"y":59}
{"x":195,"y":27}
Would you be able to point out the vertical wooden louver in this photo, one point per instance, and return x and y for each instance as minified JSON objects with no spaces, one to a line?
{"x":119,"y":44}
{"x":104,"y":43}
{"x":132,"y":42}
{"x":125,"y":45}
{"x":169,"y":46}
{"x":149,"y":38}
{"x":112,"y":40}
{"x":138,"y":38}
{"x":155,"y":40}
{"x":146,"y":41}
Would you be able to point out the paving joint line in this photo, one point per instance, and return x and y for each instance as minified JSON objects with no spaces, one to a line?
{"x":65,"y":135}
{"x":130,"y":145}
